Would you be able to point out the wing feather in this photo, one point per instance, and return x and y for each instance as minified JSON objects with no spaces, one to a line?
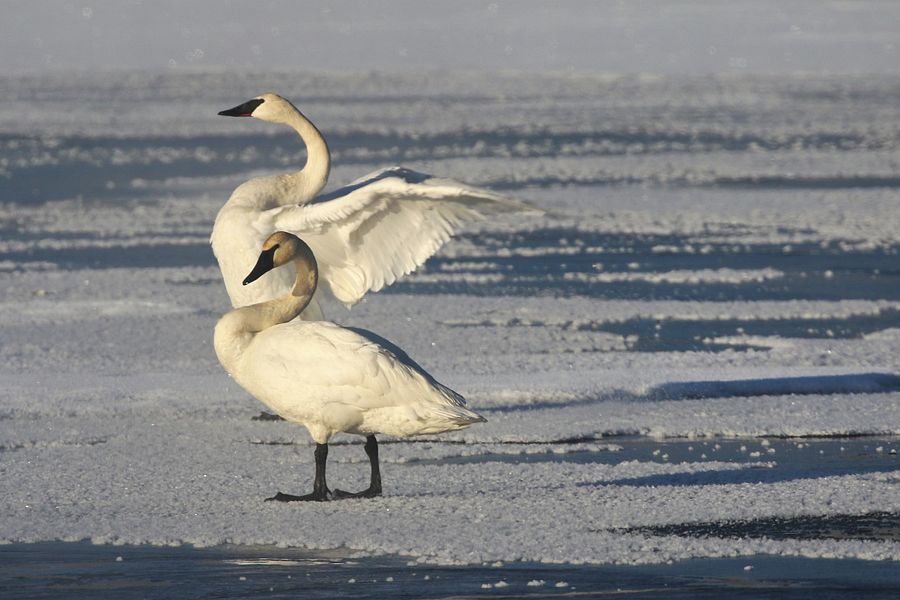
{"x":381,"y":227}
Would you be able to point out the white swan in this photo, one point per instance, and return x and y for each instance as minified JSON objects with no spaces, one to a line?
{"x":325,"y":377}
{"x":365,"y":235}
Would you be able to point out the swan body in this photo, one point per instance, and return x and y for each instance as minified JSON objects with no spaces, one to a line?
{"x":325,"y":377}
{"x":365,"y":235}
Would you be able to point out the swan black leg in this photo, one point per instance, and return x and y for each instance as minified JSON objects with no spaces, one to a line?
{"x":374,"y":488}
{"x":320,"y":491}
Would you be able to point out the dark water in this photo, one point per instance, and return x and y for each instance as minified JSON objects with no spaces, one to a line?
{"x":785,"y":459}
{"x":812,"y":271}
{"x":68,"y":570}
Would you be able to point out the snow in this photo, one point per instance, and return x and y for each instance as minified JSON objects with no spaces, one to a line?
{"x":718,"y":263}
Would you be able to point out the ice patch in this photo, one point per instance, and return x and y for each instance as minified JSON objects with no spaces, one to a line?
{"x":681,"y":276}
{"x":45,"y":311}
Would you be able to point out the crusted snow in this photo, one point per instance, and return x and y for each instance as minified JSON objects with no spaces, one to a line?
{"x":709,"y":208}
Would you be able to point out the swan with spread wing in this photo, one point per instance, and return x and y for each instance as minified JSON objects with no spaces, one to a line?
{"x":365,"y":235}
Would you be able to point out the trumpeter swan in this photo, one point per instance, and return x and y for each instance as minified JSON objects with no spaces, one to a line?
{"x":365,"y":235}
{"x":326,"y":377}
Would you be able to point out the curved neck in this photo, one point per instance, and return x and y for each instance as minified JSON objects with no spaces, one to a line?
{"x":262,"y":315}
{"x":236,"y":330}
{"x":304,"y":184}
{"x":258,"y":317}
{"x":285,"y":308}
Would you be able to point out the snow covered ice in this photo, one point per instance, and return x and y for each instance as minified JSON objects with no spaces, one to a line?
{"x":717,"y":268}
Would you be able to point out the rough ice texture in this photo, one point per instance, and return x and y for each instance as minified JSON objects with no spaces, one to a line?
{"x":718,"y":260}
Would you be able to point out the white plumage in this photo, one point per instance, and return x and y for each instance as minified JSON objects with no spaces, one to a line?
{"x":331,"y":379}
{"x":365,"y":235}
{"x":328,"y":378}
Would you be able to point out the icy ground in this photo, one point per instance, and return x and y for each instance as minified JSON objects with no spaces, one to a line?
{"x":719,"y":264}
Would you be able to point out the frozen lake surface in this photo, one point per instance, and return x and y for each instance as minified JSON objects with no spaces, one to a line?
{"x":62,"y":569}
{"x":51,"y":570}
{"x":691,"y":359}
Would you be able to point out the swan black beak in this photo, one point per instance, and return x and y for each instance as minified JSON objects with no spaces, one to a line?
{"x":265,"y":264}
{"x":243,"y":110}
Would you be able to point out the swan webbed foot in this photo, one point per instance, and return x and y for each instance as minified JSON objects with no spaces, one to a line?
{"x":366,"y":493}
{"x":320,"y":492}
{"x":313,"y":497}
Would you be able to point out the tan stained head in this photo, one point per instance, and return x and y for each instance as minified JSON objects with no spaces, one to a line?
{"x":282,"y":248}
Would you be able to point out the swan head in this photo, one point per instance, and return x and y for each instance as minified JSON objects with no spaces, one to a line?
{"x":268,"y":107}
{"x":282,"y":248}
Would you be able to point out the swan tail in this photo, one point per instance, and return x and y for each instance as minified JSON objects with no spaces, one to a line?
{"x":454,"y":410}
{"x":448,"y":418}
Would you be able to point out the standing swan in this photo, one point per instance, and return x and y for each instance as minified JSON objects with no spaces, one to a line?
{"x":366,"y":235}
{"x":328,"y":378}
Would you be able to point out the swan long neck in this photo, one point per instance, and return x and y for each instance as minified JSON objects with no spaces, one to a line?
{"x":236,"y":330}
{"x":285,"y":308}
{"x":311,"y":179}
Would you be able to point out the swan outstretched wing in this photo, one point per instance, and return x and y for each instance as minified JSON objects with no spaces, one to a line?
{"x":381,"y":227}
